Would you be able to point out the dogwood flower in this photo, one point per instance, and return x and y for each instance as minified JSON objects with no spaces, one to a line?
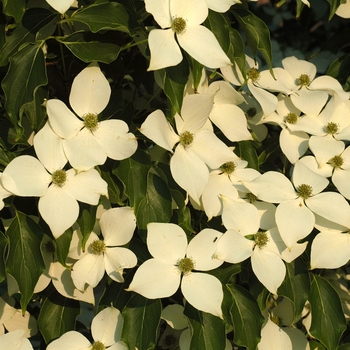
{"x":221,"y":5}
{"x":61,"y":5}
{"x":3,"y":194}
{"x":173,"y":257}
{"x":106,"y":329}
{"x":117,"y":226}
{"x":344,"y":9}
{"x":182,"y":19}
{"x":88,"y":142}
{"x":15,"y":340}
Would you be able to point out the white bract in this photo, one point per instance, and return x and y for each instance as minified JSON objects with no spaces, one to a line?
{"x":106,"y":329}
{"x":15,"y":340}
{"x":221,"y":5}
{"x":173,"y":257}
{"x":117,"y":226}
{"x":61,"y":5}
{"x":182,"y":19}
{"x":88,"y":142}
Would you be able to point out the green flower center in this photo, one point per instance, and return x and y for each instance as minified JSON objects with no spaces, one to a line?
{"x":336,"y":161}
{"x":291,"y":118}
{"x":178,"y":25}
{"x":228,"y":168}
{"x":49,"y":247}
{"x":332,"y":128}
{"x":97,"y":247}
{"x":253,"y":74}
{"x":186,"y":265}
{"x":186,"y":138}
{"x":97,"y":345}
{"x":59,"y":177}
{"x":251,"y":197}
{"x":261,"y":239}
{"x":91,"y":121}
{"x":304,"y":80}
{"x":251,"y":112}
{"x":304,"y":191}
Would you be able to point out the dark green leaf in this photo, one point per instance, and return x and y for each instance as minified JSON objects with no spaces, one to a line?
{"x":90,"y":49}
{"x":248,"y":152}
{"x":296,"y":286}
{"x":14,"y":8}
{"x":328,"y":321}
{"x":3,"y":245}
{"x":236,"y":50}
{"x":26,"y":73}
{"x":86,"y":221}
{"x":340,"y":68}
{"x":225,"y":272}
{"x":115,"y":187}
{"x":111,"y":15}
{"x":246,"y":317}
{"x":217,"y":23}
{"x":334,"y":4}
{"x":57,"y":316}
{"x":208,"y":331}
{"x":24,"y":261}
{"x":141,"y":320}
{"x":63,"y":244}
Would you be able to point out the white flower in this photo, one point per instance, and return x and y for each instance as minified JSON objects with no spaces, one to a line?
{"x":106,"y":329}
{"x":183,"y":19}
{"x":61,"y":5}
{"x":221,"y":5}
{"x":160,"y":276}
{"x":86,"y":141}
{"x":344,"y":9}
{"x":3,"y":194}
{"x":117,"y":226}
{"x":15,"y":340}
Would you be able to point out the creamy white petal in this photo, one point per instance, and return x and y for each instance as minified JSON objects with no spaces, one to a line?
{"x":268,"y":268}
{"x":59,"y":209}
{"x":88,"y":270}
{"x":329,"y":84}
{"x":156,"y":279}
{"x":233,"y":247}
{"x":118,"y":346}
{"x":294,"y":221}
{"x":49,"y":149}
{"x":62,"y":120}
{"x":86,"y":186}
{"x":330,"y":250}
{"x":310,"y":161}
{"x":290,"y":254}
{"x":225,"y":93}
{"x":200,"y":43}
{"x":166,"y":241}
{"x":293,"y":144}
{"x":15,"y":340}
{"x":71,"y":340}
{"x":107,"y":325}
{"x":233,"y":74}
{"x":282,"y":82}
{"x":116,"y":140}
{"x":90,"y":91}
{"x":272,"y":337}
{"x":296,"y":68}
{"x":341,"y":180}
{"x":26,"y":176}
{"x":267,"y":100}
{"x":221,"y":6}
{"x":298,"y":338}
{"x":309,"y":102}
{"x":160,"y":11}
{"x":165,"y":51}
{"x":174,"y":317}
{"x":60,"y":5}
{"x":158,"y":129}
{"x":194,"y":12}
{"x":118,"y":225}
{"x":202,"y":249}
{"x":189,"y":172}
{"x":204,"y":292}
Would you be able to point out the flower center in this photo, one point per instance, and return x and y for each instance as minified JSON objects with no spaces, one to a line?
{"x":261,"y":239}
{"x":291,"y":118}
{"x":97,"y":345}
{"x":304,"y":80}
{"x":178,"y":25}
{"x":186,"y":265}
{"x":59,"y":177}
{"x":91,"y":121}
{"x":97,"y":247}
{"x":186,"y":138}
{"x":304,"y":191}
{"x":332,"y":128}
{"x":251,"y":197}
{"x":253,"y":74}
{"x":228,"y":168}
{"x":336,"y":161}
{"x":49,"y":247}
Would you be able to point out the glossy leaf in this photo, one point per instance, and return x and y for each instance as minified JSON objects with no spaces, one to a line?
{"x":334,"y":4}
{"x":86,"y":221}
{"x":24,"y":262}
{"x":246,"y":317}
{"x":328,"y":321}
{"x":141,"y":320}
{"x":63,"y":244}
{"x":248,"y":152}
{"x":14,"y":8}
{"x":57,"y":316}
{"x":208,"y":331}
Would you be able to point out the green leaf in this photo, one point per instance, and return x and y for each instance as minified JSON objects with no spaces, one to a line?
{"x":300,"y":6}
{"x":26,"y":73}
{"x":175,"y":80}
{"x":3,"y":246}
{"x":57,"y":316}
{"x":225,"y":272}
{"x":248,"y":152}
{"x":111,"y":15}
{"x":328,"y":321}
{"x":257,"y":34}
{"x":141,"y":320}
{"x":296,"y":286}
{"x":115,"y":187}
{"x":208,"y":331}
{"x":217,"y":24}
{"x":246,"y":317}
{"x":30,"y":29}
{"x":14,"y":8}
{"x":86,"y":221}
{"x":236,"y":50}
{"x":334,"y":4}
{"x":24,"y":261}
{"x":88,"y":48}
{"x":340,"y":68}
{"x":63,"y":244}
{"x":156,"y":203}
